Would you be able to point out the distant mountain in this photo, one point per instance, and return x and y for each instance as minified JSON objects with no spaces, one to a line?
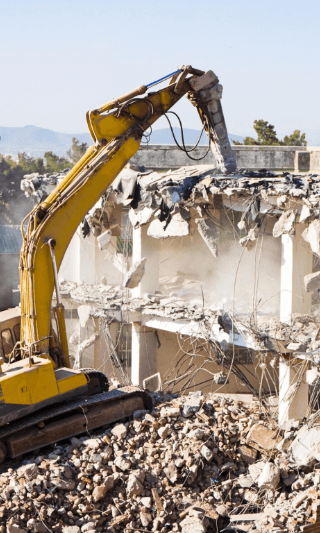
{"x":36,"y":141}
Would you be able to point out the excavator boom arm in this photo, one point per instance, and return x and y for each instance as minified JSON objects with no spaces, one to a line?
{"x":117,"y":137}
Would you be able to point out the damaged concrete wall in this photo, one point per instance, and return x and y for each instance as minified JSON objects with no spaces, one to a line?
{"x":164,"y":156}
{"x":189,"y":270}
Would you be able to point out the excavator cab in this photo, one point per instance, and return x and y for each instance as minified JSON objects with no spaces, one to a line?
{"x":10,"y":322}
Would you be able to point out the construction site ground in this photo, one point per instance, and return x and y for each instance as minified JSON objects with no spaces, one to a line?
{"x":193,"y":464}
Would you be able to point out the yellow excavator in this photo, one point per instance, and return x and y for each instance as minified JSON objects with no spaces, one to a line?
{"x":42,"y":399}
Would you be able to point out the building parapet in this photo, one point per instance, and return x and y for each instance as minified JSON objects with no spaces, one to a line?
{"x":286,"y":158}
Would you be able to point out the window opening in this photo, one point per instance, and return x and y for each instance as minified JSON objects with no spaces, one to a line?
{"x":124,"y":338}
{"x":7,"y":341}
{"x":16,"y":331}
{"x":124,"y":243}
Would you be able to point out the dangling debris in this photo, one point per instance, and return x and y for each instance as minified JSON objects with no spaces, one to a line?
{"x":312,"y":281}
{"x":210,"y":234}
{"x":135,"y":274}
{"x":250,"y":240}
{"x":312,"y":236}
{"x":285,"y":224}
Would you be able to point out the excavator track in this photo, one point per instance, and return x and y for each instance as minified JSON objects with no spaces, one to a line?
{"x":71,"y":418}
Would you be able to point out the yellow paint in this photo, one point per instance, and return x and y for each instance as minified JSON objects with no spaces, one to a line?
{"x":21,"y":384}
{"x":71,"y":382}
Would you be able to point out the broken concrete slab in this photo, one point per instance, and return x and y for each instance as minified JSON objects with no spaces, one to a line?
{"x":177,"y":227}
{"x":306,"y":214}
{"x":135,"y":274}
{"x":104,"y":239}
{"x":269,"y":477}
{"x":305,"y":448}
{"x":312,"y":376}
{"x":248,"y":454}
{"x":285,"y":224}
{"x":139,"y":218}
{"x":209,"y":233}
{"x":263,"y":438}
{"x":84,"y":314}
{"x":312,"y":281}
{"x":250,"y":240}
{"x":312,"y":236}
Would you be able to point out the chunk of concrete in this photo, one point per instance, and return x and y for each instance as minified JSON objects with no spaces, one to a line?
{"x":104,"y":239}
{"x":312,"y":236}
{"x":269,"y":477}
{"x":139,"y":218}
{"x":209,"y":233}
{"x":305,"y":214}
{"x":84,"y":314}
{"x":305,"y":448}
{"x":312,"y":281}
{"x":248,"y":454}
{"x":263,"y":438}
{"x":312,"y":376}
{"x":250,"y":240}
{"x":256,"y":469}
{"x":191,"y":406}
{"x":285,"y":224}
{"x":197,"y":523}
{"x":135,"y":274}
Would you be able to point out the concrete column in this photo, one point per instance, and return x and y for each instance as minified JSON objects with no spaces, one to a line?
{"x":292,"y":405}
{"x":296,"y":262}
{"x":144,"y":353}
{"x":145,"y":246}
{"x":78,"y":263}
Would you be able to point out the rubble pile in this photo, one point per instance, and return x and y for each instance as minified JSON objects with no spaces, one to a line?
{"x":194,"y":464}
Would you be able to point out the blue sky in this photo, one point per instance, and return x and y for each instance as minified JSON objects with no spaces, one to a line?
{"x":61,"y":58}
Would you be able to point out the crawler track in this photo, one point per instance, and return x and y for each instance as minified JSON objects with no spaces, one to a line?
{"x":69,"y":419}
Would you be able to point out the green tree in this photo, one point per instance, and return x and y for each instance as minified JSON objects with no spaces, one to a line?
{"x":295,"y":139}
{"x":54,"y":163}
{"x":267,"y":136}
{"x":77,"y":150}
{"x":29,"y":164}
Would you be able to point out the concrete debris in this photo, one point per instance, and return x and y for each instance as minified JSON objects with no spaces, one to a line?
{"x":250,"y":240}
{"x":312,"y":281}
{"x":135,"y":274}
{"x":306,"y":214}
{"x":269,"y":477}
{"x":198,"y":476}
{"x":285,"y":224}
{"x":84,"y":314}
{"x":104,"y":239}
{"x":177,"y":227}
{"x":312,"y":376}
{"x":312,"y":236}
{"x":210,"y":234}
{"x":140,"y":218}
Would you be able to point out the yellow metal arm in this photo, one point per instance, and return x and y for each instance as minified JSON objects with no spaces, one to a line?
{"x":117,"y":138}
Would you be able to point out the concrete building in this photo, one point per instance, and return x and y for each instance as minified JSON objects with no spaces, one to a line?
{"x":200,"y":281}
{"x":190,"y":279}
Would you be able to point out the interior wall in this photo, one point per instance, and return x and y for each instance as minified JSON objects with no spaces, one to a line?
{"x":249,"y":278}
{"x":170,"y":354}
